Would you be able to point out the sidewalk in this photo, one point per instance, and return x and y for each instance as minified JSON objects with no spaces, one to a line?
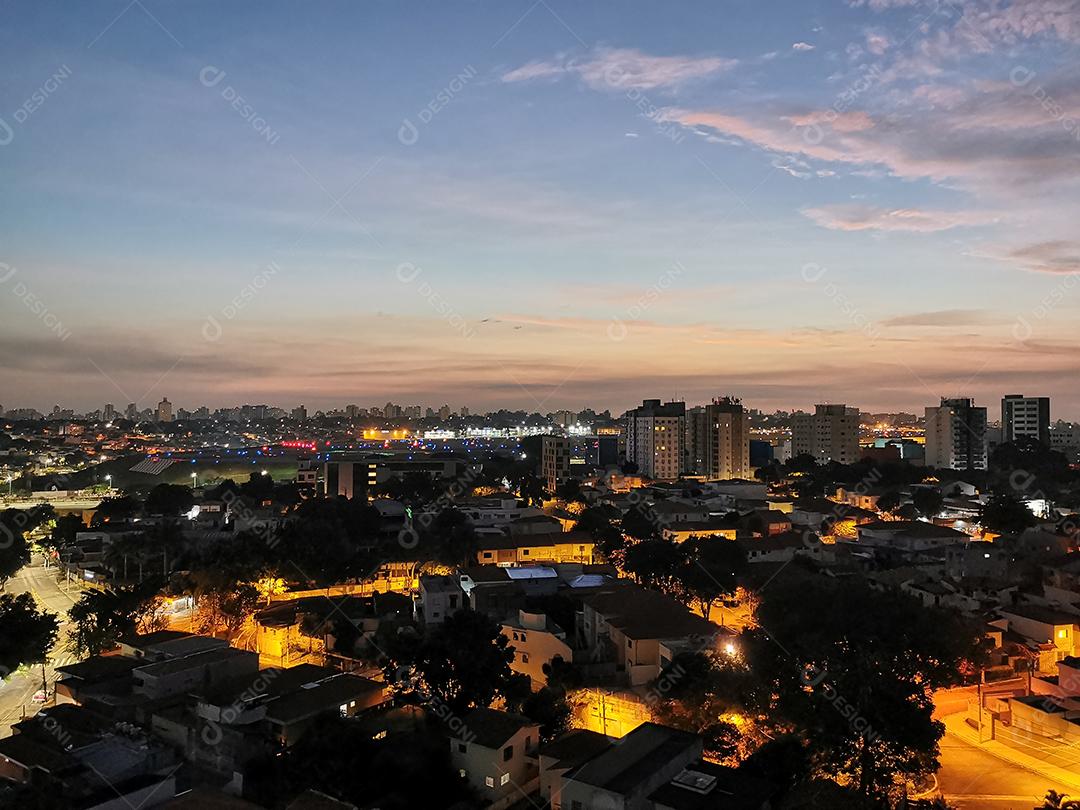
{"x":955,"y":725}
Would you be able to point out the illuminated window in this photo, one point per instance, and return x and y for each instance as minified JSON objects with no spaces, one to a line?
{"x":504,"y":779}
{"x":489,"y":781}
{"x":1062,"y":633}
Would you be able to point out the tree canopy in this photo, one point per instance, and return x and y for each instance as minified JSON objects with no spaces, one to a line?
{"x":27,"y":634}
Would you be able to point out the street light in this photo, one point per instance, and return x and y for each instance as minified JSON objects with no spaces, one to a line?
{"x":9,"y":480}
{"x":194,"y":480}
{"x":108,"y":481}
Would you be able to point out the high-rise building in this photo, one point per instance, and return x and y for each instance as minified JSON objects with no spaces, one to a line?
{"x":956,"y":435}
{"x":299,"y":413}
{"x":830,"y":433}
{"x":131,"y":412}
{"x":444,"y":413}
{"x":108,"y":413}
{"x":1025,"y":418}
{"x":718,"y":440}
{"x":555,"y":460}
{"x":164,"y":410}
{"x":655,"y":439}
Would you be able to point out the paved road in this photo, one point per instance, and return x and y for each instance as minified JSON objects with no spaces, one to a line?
{"x":974,"y":780}
{"x":16,"y":692}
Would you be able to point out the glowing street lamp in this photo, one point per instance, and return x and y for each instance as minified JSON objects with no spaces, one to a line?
{"x":108,"y":481}
{"x":9,"y":480}
{"x":194,"y":480}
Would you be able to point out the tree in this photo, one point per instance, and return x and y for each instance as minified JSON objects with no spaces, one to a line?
{"x":341,"y":760}
{"x":531,"y":489}
{"x":14,"y":550}
{"x":63,"y":532}
{"x":101,"y":618}
{"x":928,"y":500}
{"x":711,"y":569}
{"x":660,"y":565}
{"x":226,"y":609}
{"x":637,"y":523}
{"x":570,"y":491}
{"x":464,"y":662}
{"x":1006,"y":514}
{"x":116,"y":510}
{"x":549,"y":708}
{"x":26,"y":633}
{"x":856,"y":675}
{"x":170,"y":500}
{"x":888,"y":501}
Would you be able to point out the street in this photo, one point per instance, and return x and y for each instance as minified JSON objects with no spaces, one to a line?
{"x":16,"y":692}
{"x":972,"y":779}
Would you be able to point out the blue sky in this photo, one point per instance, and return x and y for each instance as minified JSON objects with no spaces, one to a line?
{"x":871,"y":202}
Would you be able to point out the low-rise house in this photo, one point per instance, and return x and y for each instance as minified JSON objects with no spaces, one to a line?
{"x":624,"y":775}
{"x":529,"y":525}
{"x":150,"y":671}
{"x":640,"y":625}
{"x":1056,"y":629}
{"x":525,"y":549}
{"x":91,"y":760}
{"x":765,"y":523}
{"x":562,"y":755}
{"x":438,"y":596}
{"x":786,"y":547}
{"x":681,"y":531}
{"x":536,"y":640}
{"x":825,"y":516}
{"x":905,"y":535}
{"x":497,"y":753}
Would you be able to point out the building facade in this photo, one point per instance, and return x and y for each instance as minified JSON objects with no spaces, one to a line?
{"x":655,"y":439}
{"x":1025,"y":418}
{"x":956,"y":435}
{"x":830,"y":433}
{"x":718,"y":440}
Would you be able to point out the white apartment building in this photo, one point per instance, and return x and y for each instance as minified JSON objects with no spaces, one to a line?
{"x":655,"y":439}
{"x":956,"y":435}
{"x":830,"y":433}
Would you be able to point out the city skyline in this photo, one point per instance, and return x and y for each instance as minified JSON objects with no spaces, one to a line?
{"x":870,"y":201}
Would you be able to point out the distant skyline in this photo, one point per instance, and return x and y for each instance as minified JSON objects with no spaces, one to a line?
{"x":993,"y":408}
{"x":536,"y":205}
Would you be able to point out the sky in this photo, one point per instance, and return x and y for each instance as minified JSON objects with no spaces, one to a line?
{"x":539,"y":205}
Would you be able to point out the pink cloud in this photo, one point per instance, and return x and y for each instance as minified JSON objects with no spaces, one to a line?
{"x":870,"y":218}
{"x":626,"y":68}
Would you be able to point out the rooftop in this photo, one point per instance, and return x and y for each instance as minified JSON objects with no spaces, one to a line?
{"x":635,"y":757}
{"x":490,"y":728}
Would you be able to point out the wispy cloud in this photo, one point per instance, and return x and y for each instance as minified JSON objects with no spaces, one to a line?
{"x":624,"y":68}
{"x":802,"y":46}
{"x":946,"y":317}
{"x":857,"y":217}
{"x":1056,"y":256}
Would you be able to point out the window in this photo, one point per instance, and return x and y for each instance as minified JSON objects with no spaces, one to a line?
{"x":525,"y":552}
{"x":462,"y":773}
{"x":489,"y":781}
{"x":1062,"y":633}
{"x":629,"y":642}
{"x":462,"y":747}
{"x":524,"y":658}
{"x":487,"y":555}
{"x":522,"y":637}
{"x":508,"y":753}
{"x":504,"y":779}
{"x":344,"y":709}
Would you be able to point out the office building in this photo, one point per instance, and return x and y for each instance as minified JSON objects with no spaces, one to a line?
{"x":718,"y":440}
{"x":1025,"y":418}
{"x":830,"y":433}
{"x":655,"y":439}
{"x":956,"y":435}
{"x":555,"y":460}
{"x":164,"y":410}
